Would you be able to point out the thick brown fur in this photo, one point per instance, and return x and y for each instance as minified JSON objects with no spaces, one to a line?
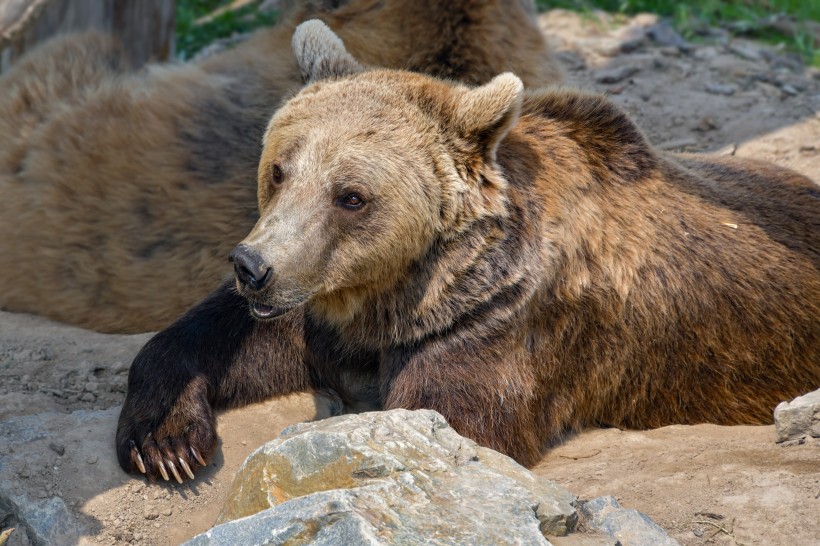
{"x":525,"y":264}
{"x":122,"y":192}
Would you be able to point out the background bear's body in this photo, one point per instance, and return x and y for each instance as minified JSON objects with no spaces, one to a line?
{"x":565,"y":276}
{"x":122,"y":192}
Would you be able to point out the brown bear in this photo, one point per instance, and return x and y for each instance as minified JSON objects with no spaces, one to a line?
{"x":526,"y":264}
{"x":122,"y":191}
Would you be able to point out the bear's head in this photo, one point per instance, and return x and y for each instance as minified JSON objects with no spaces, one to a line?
{"x":363,"y":172}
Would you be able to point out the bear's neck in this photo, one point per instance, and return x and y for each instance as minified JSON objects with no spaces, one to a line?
{"x":476,"y":276}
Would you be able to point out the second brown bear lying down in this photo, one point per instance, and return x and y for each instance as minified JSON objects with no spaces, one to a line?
{"x":122,"y":191}
{"x":526,"y":264}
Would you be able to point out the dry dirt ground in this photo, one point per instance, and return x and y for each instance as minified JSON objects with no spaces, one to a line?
{"x":703,"y":484}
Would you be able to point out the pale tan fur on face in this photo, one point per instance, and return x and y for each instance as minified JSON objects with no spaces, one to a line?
{"x":304,"y":234}
{"x":326,"y":141}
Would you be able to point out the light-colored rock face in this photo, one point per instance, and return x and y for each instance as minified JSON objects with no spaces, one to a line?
{"x":397,"y":477}
{"x":799,"y":418}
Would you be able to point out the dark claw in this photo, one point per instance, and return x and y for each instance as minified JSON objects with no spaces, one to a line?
{"x":186,"y":468}
{"x":174,"y":471}
{"x":197,"y":457}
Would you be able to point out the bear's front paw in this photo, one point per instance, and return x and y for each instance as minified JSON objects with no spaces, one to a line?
{"x":159,"y":442}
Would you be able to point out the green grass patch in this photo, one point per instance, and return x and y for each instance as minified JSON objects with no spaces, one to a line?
{"x":192,"y":34}
{"x":741,"y":17}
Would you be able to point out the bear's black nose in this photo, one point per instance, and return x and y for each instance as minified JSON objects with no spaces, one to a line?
{"x":250,"y":267}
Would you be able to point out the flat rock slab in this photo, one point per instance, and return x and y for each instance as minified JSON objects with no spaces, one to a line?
{"x":799,"y":418}
{"x":49,"y":464}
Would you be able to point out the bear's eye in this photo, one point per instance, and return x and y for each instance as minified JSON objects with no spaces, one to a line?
{"x":276,"y":175}
{"x":351,"y":201}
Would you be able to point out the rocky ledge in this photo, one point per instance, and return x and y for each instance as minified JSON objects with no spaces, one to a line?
{"x":396,"y":477}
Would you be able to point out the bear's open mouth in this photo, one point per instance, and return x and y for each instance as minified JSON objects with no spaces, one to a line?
{"x":261,"y":311}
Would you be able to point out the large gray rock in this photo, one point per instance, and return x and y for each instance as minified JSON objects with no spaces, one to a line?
{"x":628,"y":526}
{"x":798,"y":418}
{"x":396,"y":477}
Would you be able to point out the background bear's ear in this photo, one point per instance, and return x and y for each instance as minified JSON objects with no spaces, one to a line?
{"x":486,"y":113}
{"x":320,"y":53}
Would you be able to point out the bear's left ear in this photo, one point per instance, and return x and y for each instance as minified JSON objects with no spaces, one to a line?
{"x":486,"y":113}
{"x":320,"y":53}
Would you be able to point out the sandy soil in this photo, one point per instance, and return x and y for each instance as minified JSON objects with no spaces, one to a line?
{"x":729,"y":97}
{"x":696,"y":480}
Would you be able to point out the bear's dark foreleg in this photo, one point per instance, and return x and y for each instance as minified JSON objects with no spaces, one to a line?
{"x":215,"y":356}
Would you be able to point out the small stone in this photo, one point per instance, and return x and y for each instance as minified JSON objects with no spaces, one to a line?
{"x":793,"y":443}
{"x":59,"y":449}
{"x":59,"y":393}
{"x":697,"y":531}
{"x":618,"y":74}
{"x":167,"y":512}
{"x":669,"y":51}
{"x":606,"y":515}
{"x":150,"y":513}
{"x":720,"y":89}
{"x":552,"y":523}
{"x":789,"y":90}
{"x":632,"y":45}
{"x":124,"y":536}
{"x":707,"y":123}
{"x":92,"y":459}
{"x":706,"y":54}
{"x":798,"y":418}
{"x":664,"y":35}
{"x":88,"y":397}
{"x":746,"y":52}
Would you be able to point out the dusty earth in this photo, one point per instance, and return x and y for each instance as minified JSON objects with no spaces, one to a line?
{"x":704,"y":484}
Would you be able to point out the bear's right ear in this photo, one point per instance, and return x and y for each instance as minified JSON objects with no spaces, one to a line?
{"x":484,"y":115}
{"x":320,"y":53}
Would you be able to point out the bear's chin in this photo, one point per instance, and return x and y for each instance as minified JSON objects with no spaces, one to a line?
{"x":261,"y":311}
